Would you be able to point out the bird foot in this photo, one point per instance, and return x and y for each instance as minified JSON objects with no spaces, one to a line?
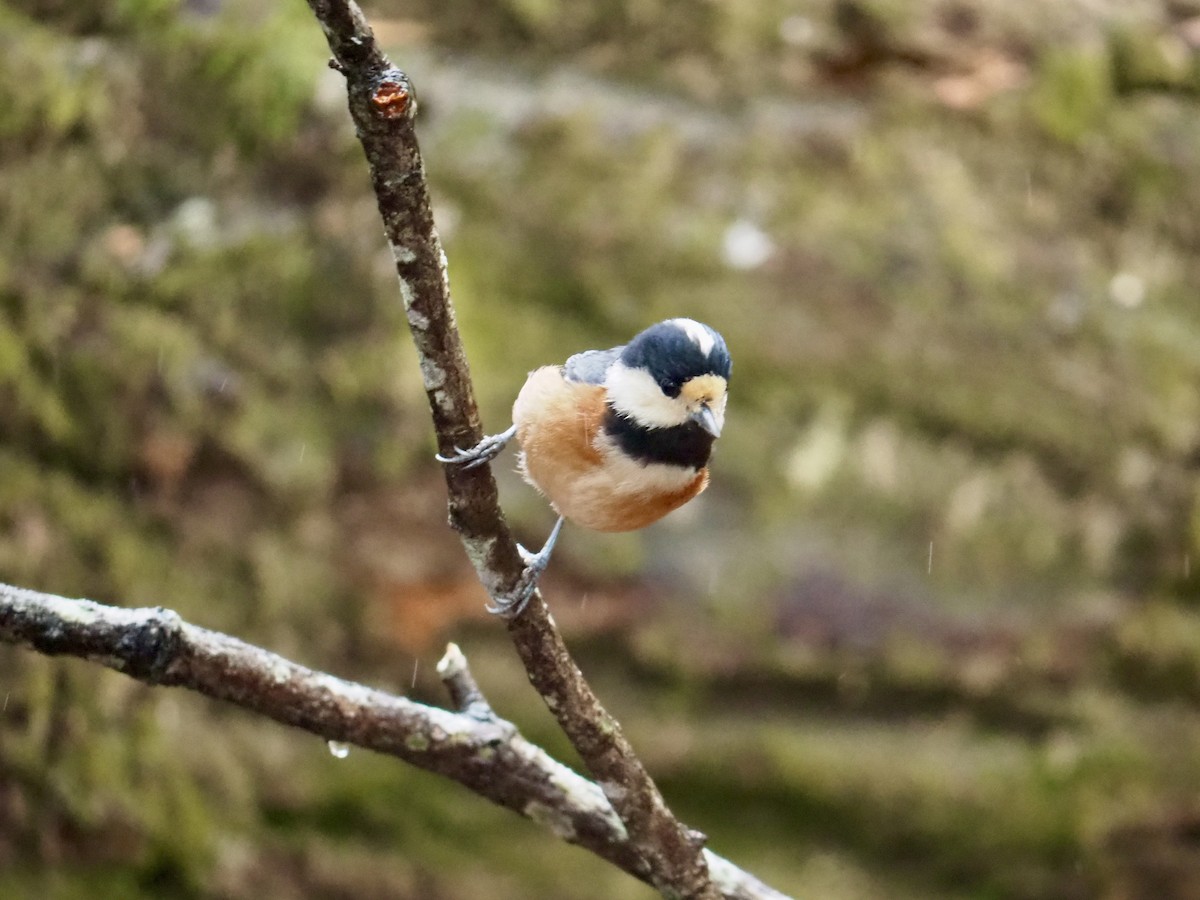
{"x":511,"y":606}
{"x":485,"y":451}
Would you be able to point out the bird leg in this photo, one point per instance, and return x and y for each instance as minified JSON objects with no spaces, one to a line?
{"x":484,"y":451}
{"x":535,"y":564}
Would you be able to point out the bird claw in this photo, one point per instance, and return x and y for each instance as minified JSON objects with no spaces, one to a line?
{"x":511,"y":606}
{"x":514,"y":604}
{"x":469,"y":459}
{"x":518,"y":598}
{"x":485,"y":451}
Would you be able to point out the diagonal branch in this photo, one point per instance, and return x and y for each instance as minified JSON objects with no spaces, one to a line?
{"x":473,"y":746}
{"x":383,"y":106}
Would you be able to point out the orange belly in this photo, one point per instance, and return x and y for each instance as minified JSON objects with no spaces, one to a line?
{"x":567,"y":456}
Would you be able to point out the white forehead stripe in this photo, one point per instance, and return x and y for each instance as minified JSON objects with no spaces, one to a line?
{"x":697,"y":334}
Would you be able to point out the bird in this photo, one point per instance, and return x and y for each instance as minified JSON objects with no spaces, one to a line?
{"x":615,"y":439}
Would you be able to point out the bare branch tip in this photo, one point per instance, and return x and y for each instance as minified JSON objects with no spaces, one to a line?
{"x":452,"y":663}
{"x":393,"y":97}
{"x":464,"y":690}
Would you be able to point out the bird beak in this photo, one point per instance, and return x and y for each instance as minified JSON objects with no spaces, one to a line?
{"x":705,"y":419}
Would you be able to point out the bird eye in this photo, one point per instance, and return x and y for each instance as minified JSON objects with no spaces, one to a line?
{"x":671,"y":388}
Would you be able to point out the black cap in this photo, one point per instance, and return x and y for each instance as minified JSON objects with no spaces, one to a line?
{"x":677,"y":350}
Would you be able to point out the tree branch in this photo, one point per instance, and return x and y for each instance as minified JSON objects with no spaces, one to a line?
{"x":383,"y":106}
{"x":473,"y":746}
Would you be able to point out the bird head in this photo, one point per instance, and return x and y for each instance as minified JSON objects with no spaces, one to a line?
{"x":672,"y":374}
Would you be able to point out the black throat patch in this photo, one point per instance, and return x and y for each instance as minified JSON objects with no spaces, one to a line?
{"x":686,"y":445}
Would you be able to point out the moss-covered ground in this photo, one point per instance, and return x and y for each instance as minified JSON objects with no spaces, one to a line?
{"x":932,"y":632}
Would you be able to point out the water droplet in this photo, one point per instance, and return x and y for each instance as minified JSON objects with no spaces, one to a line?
{"x":339,"y":749}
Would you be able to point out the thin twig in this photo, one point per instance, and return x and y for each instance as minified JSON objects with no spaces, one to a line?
{"x":481,"y":751}
{"x":462,"y":687}
{"x":383,"y":105}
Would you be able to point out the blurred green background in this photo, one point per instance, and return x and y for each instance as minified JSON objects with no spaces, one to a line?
{"x":933,"y":632}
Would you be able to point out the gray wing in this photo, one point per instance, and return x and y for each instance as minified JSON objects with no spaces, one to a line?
{"x":590,"y":365}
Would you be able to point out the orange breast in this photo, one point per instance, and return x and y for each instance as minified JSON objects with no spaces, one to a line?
{"x":567,"y":456}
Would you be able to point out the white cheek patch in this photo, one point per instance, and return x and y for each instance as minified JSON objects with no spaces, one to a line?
{"x":697,"y":334}
{"x":635,"y":394}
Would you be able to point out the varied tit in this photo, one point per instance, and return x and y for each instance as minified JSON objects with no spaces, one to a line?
{"x":616,"y":439}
